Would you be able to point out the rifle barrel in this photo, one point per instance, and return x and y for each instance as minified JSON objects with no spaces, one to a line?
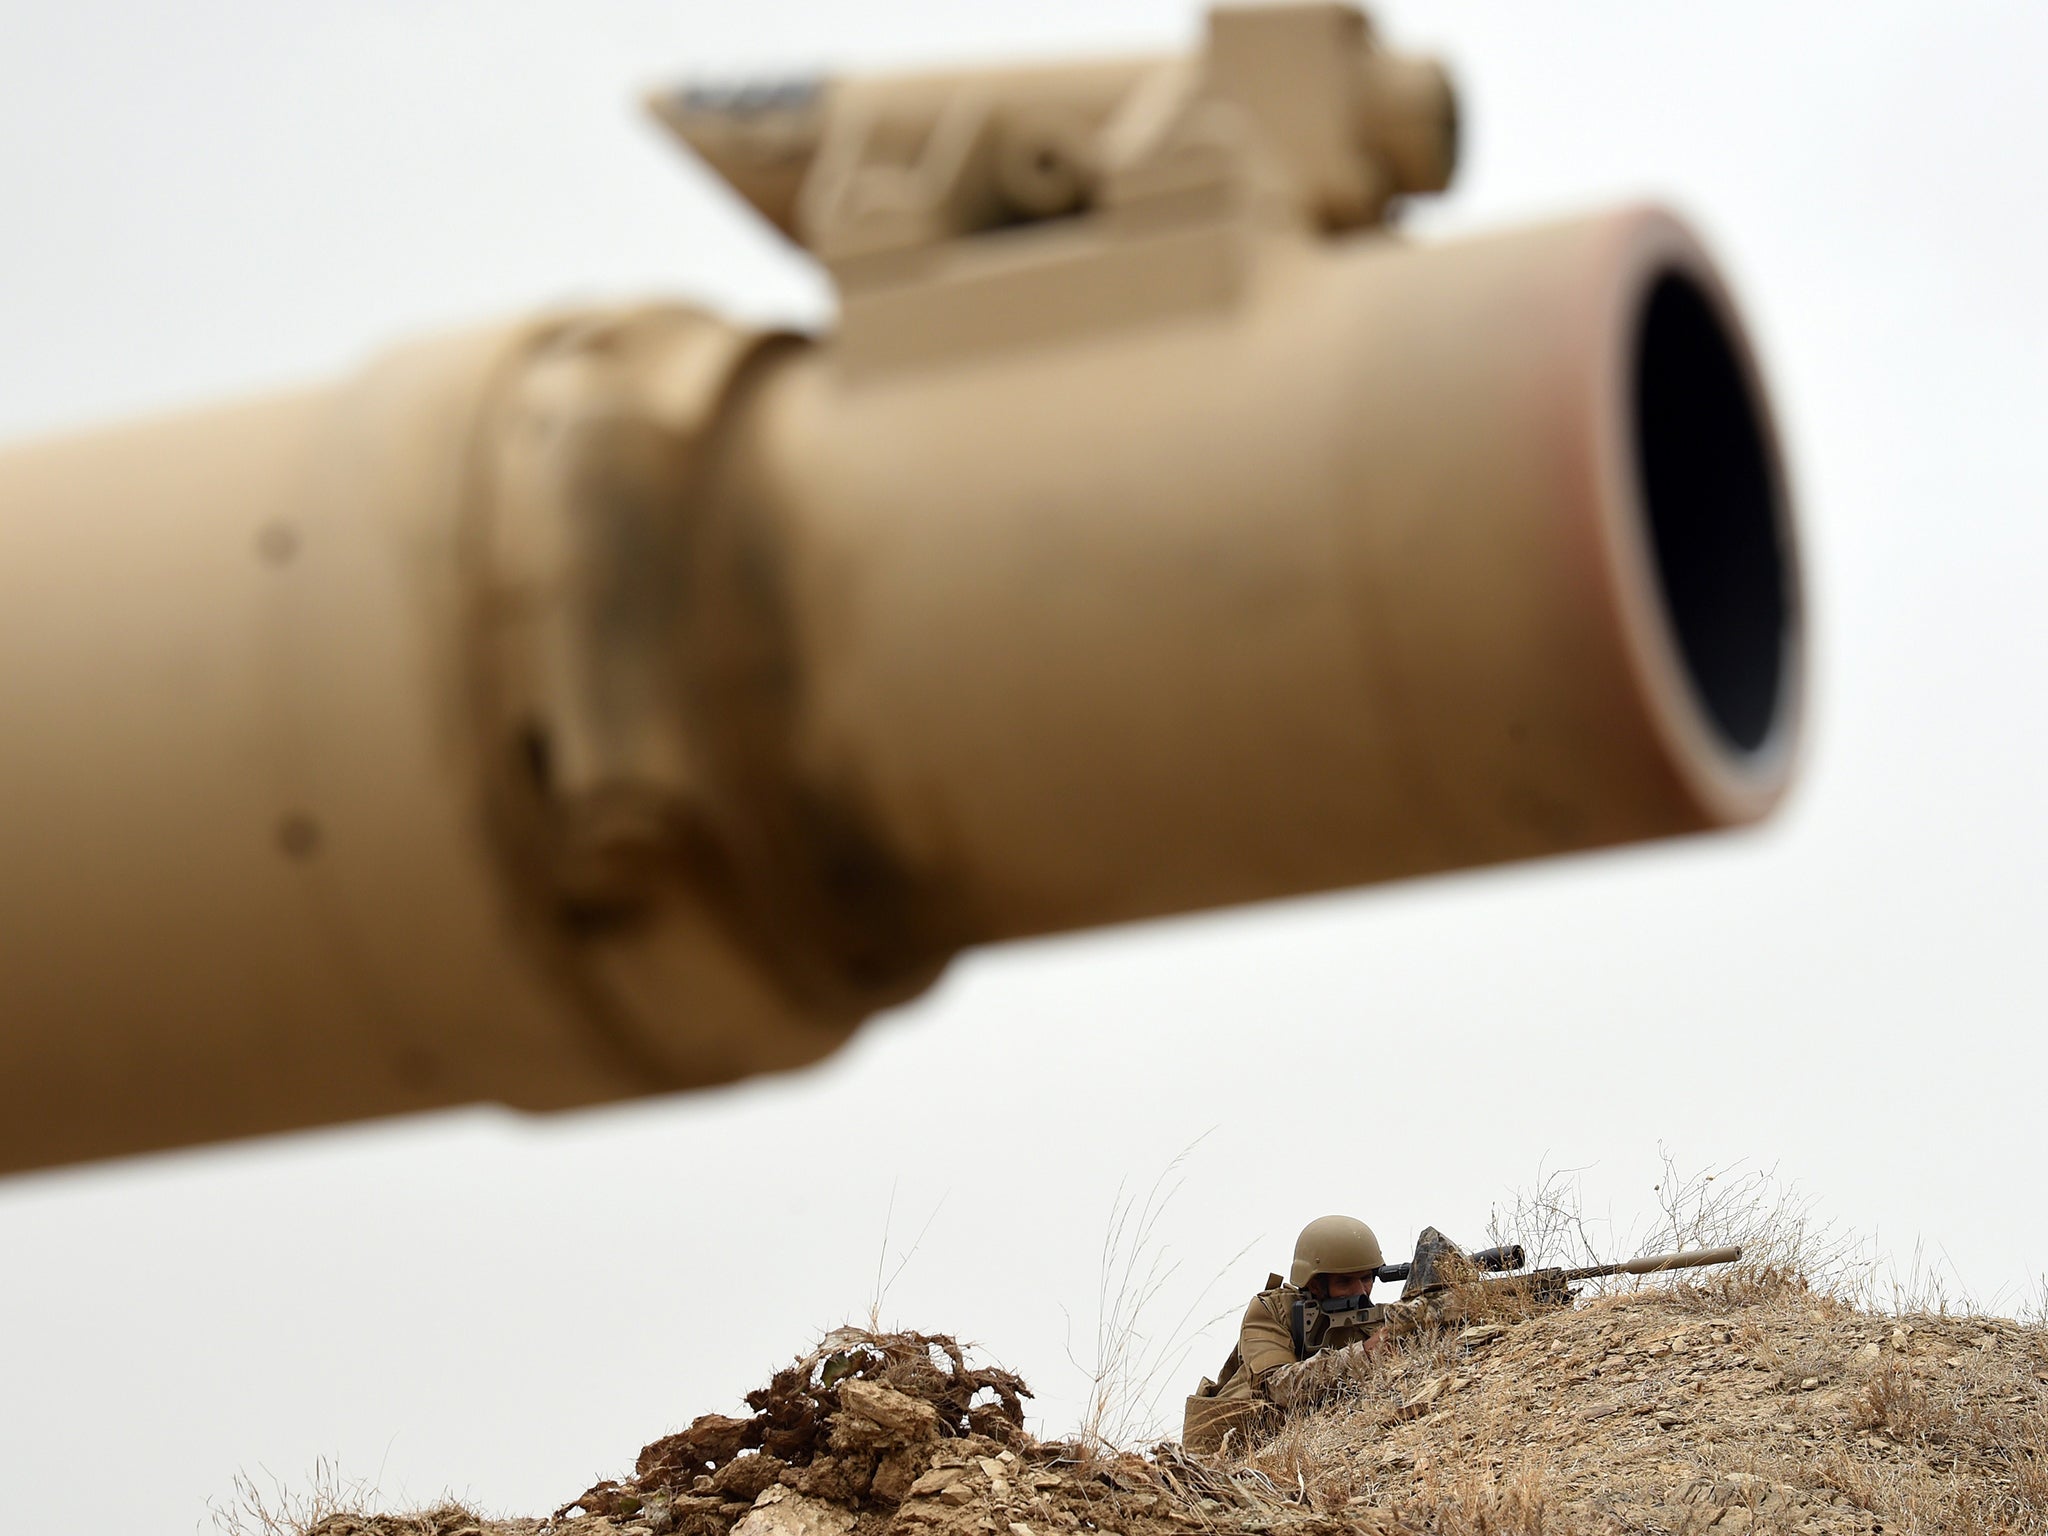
{"x":1657,"y":1262}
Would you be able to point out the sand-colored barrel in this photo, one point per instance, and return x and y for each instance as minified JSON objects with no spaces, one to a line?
{"x":244,"y":878}
{"x":1417,"y":559}
{"x":318,"y":714}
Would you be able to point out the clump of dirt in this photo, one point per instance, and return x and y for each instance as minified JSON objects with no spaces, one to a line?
{"x":442,"y":1520}
{"x":855,"y":1422}
{"x":1749,"y":1404}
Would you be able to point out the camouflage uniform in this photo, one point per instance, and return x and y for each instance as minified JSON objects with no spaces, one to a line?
{"x":1266,"y":1365}
{"x":1288,"y":1355}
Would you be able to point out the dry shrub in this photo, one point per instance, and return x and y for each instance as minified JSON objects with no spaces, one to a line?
{"x":281,"y":1510}
{"x":1980,"y":1439}
{"x":1921,"y":1502}
{"x":1548,"y":1220}
{"x":1313,"y":1466}
{"x":2030,"y":1477}
{"x":1772,"y":1220}
{"x":2035,"y":1313}
{"x":1310,"y":1458}
{"x":330,"y":1505}
{"x":1785,"y":1244}
{"x":1519,"y":1504}
{"x":1894,"y":1402}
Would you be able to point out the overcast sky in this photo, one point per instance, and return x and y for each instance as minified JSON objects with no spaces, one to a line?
{"x":216,"y":197}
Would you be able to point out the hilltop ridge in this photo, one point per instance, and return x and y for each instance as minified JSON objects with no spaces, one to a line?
{"x":1747,"y":1404}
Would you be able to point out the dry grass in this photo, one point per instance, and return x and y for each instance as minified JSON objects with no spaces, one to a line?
{"x":878,"y":1294}
{"x":1971,"y":1424}
{"x":330,"y":1504}
{"x":253,"y":1509}
{"x":1136,"y":1364}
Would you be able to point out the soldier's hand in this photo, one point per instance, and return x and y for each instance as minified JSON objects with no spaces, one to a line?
{"x":1404,"y":1317}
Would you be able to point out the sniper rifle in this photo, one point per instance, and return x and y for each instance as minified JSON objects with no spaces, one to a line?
{"x":1439,"y":1265}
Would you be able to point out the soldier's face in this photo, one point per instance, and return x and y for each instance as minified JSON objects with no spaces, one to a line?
{"x":1342,"y":1287}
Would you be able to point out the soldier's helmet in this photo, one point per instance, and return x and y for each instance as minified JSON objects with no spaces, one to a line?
{"x":1334,"y":1245}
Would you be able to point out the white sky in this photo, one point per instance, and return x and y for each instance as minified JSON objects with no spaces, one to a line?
{"x":217,"y":196}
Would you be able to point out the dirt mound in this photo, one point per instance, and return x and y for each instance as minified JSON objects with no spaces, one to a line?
{"x":856,"y":1421}
{"x":1746,"y":1404}
{"x":1749,"y":1404}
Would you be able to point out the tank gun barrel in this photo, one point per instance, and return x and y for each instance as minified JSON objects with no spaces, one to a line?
{"x":620,"y":700}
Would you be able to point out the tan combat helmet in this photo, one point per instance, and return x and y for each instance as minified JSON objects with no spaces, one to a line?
{"x":1334,"y":1245}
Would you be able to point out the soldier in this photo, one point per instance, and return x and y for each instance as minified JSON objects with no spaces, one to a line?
{"x":1290,"y":1348}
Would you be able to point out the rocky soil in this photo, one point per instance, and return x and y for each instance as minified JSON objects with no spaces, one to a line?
{"x":1746,"y":1405}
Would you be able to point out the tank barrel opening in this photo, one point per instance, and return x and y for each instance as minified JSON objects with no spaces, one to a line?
{"x":1714,"y":504}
